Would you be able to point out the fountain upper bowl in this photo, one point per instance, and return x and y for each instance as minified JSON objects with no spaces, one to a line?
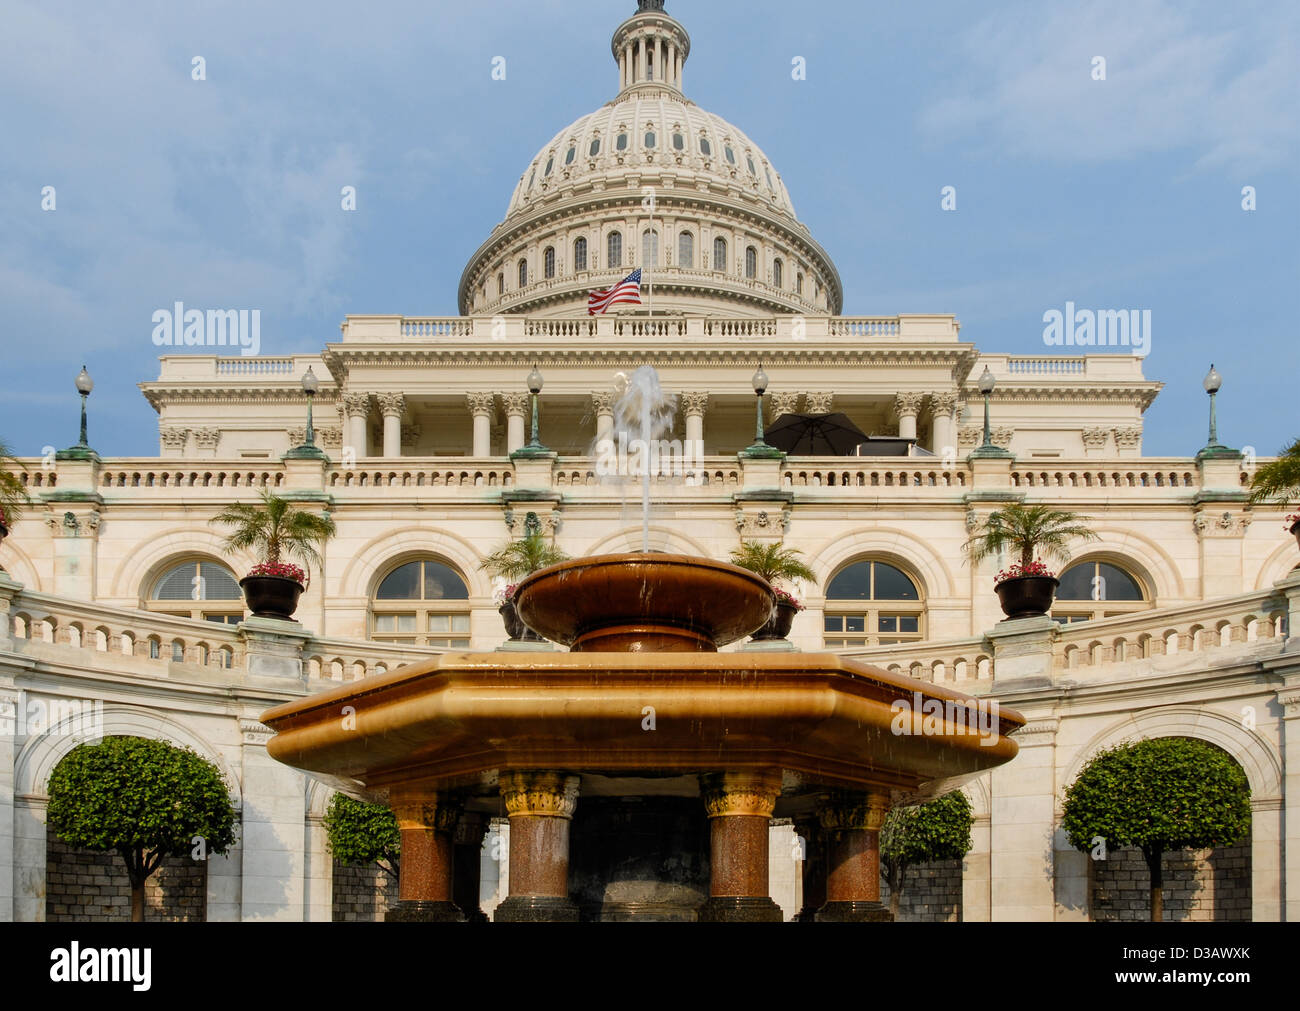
{"x":644,"y":602}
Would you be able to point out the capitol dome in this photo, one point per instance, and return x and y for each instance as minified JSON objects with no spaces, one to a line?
{"x":651,"y":180}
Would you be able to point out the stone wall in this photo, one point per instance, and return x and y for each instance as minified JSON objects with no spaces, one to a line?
{"x":931,"y":893}
{"x":1211,"y":884}
{"x":86,"y":886}
{"x":361,"y":893}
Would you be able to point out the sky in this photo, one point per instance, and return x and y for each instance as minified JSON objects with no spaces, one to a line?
{"x":224,"y":192}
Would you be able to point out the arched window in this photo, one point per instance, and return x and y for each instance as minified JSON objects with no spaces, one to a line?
{"x":871,"y":603}
{"x":422,"y":603}
{"x":649,"y":140}
{"x":778,"y":273}
{"x":548,"y":262}
{"x":750,"y":162}
{"x":595,"y":147}
{"x":197,"y":589}
{"x":720,"y":254}
{"x":649,"y":248}
{"x":686,"y":250}
{"x":706,"y":148}
{"x":523,"y":273}
{"x":614,"y":257}
{"x":679,"y":142}
{"x":550,"y":164}
{"x":1096,"y":589}
{"x":620,"y":144}
{"x":751,"y":262}
{"x":570,"y":155}
{"x":798,"y":283}
{"x":501,"y":282}
{"x":580,"y":254}
{"x":730,"y":154}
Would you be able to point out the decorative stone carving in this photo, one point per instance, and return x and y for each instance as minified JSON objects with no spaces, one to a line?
{"x":254,"y":732}
{"x":297,"y":435}
{"x":539,"y":794}
{"x":356,"y":405}
{"x":331,"y":437}
{"x":763,"y":524}
{"x":972,"y":520}
{"x":728,"y":794}
{"x":1038,"y":732}
{"x":543,"y":520}
{"x":1001,"y":436}
{"x":943,"y":404}
{"x":481,"y":404}
{"x":207,"y":438}
{"x":847,"y":812}
{"x":1289,"y":700}
{"x":93,"y":519}
{"x":782,"y":403}
{"x":907,"y":405}
{"x":820,"y":403}
{"x":391,"y":405}
{"x":695,"y":404}
{"x":970,"y":437}
{"x":603,"y":403}
{"x":174,"y":439}
{"x":1095,"y":438}
{"x":516,"y":404}
{"x":1128,"y":438}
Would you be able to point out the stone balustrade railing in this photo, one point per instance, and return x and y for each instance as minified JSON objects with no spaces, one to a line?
{"x":952,"y":661}
{"x":912,"y":473}
{"x":1148,"y":473}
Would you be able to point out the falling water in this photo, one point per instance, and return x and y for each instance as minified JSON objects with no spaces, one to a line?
{"x":644,"y":411}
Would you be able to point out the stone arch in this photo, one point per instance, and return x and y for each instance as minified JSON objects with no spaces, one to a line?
{"x":156,"y":554}
{"x":360,"y":575}
{"x":19,"y":565}
{"x":886,"y":544}
{"x":977,"y":792}
{"x":1143,"y":558}
{"x":1277,"y":566}
{"x":662,"y":538}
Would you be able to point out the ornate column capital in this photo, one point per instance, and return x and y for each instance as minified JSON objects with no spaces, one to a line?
{"x":695,"y":404}
{"x":603,"y":403}
{"x":356,"y":404}
{"x":481,"y":404}
{"x":174,"y":438}
{"x":844,"y":812}
{"x":539,"y":794}
{"x":727,"y":794}
{"x":1128,"y":438}
{"x":943,"y":404}
{"x":207,"y":438}
{"x":782,"y":403}
{"x":1095,"y":438}
{"x":425,"y":812}
{"x":907,"y":405}
{"x":391,"y":405}
{"x":820,"y":403}
{"x":516,"y":404}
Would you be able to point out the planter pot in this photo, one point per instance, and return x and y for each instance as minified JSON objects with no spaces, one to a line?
{"x":515,"y":627}
{"x":1027,"y":596}
{"x":1295,"y":529}
{"x":778,"y":626}
{"x":271,"y":596}
{"x":4,"y":532}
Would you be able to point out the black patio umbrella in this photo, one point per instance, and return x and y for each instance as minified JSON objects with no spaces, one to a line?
{"x":814,"y":435}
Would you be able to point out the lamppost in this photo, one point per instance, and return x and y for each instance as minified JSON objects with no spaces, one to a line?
{"x":308,"y":450}
{"x":82,"y":450}
{"x":534,"y":447}
{"x":1213,"y":382}
{"x":988,"y":451}
{"x":760,"y":448}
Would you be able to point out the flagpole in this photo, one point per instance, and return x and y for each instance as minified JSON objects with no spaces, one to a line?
{"x":654,"y":252}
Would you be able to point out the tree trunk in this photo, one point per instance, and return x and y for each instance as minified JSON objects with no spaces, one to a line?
{"x":1026,"y":556}
{"x":137,"y":902}
{"x":896,"y":872}
{"x":1154,"y":862}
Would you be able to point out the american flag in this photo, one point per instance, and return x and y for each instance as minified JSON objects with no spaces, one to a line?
{"x":626,"y":292}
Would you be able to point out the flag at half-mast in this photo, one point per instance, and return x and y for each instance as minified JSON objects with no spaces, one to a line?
{"x":626,"y":292}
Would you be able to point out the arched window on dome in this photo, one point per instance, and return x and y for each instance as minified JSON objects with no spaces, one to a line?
{"x":197,"y":589}
{"x":1097,"y":589}
{"x":679,"y":142}
{"x":768,"y":172}
{"x":424,"y":602}
{"x":650,"y":62}
{"x":706,"y":148}
{"x":580,"y":254}
{"x":620,"y":144}
{"x":649,"y":248}
{"x":798,"y":283}
{"x":570,"y":155}
{"x":686,"y":250}
{"x":720,"y":254}
{"x":501,"y":282}
{"x":751,"y":262}
{"x":650,"y":140}
{"x":614,"y":250}
{"x":523,"y":273}
{"x":730,"y":154}
{"x":595,"y":147}
{"x":749,"y":160}
{"x":872,"y":603}
{"x":548,"y":262}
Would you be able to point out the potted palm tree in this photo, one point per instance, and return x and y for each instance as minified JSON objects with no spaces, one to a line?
{"x":1279,"y":482}
{"x":775,"y":563}
{"x":277,"y":531}
{"x":512,"y":562}
{"x":1026,"y":588}
{"x":13,"y":496}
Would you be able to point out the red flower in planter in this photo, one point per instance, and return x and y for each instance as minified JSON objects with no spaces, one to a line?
{"x":1018,"y":571}
{"x":285,"y":570}
{"x":782,"y":597}
{"x":1287,"y":523}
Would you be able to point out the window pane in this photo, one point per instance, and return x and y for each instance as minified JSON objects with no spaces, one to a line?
{"x":403,"y":583}
{"x":679,"y":142}
{"x":909,"y":623}
{"x":1076,"y":582}
{"x":615,"y":257}
{"x":219,"y":583}
{"x":460,"y":622}
{"x":706,"y":148}
{"x":1118,"y":585}
{"x":852,"y":583}
{"x":855,"y":623}
{"x":595,"y":148}
{"x":731,"y":155}
{"x":887,"y":623}
{"x":460,"y":644}
{"x":568,"y":158}
{"x":892,"y":584}
{"x":443,"y":583}
{"x":649,"y":140}
{"x":179,"y":584}
{"x":580,"y":255}
{"x":686,"y":250}
{"x":621,"y":143}
{"x":439,"y":622}
{"x":833,"y":623}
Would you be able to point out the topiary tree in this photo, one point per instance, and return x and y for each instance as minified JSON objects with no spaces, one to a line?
{"x":361,"y":834}
{"x":144,"y":799}
{"x":939,"y":830}
{"x":1165,"y":794}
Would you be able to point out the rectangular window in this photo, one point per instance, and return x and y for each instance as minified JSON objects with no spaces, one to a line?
{"x":393,"y":624}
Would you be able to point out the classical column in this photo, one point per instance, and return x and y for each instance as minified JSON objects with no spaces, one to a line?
{"x":391,"y":406}
{"x":820,"y":403}
{"x":852,"y":823}
{"x":944,"y":429}
{"x":602,"y":405}
{"x":481,"y":406}
{"x":740,"y":806}
{"x":467,"y":863}
{"x":540,"y":806}
{"x":425,"y":820}
{"x":693,"y":406}
{"x":907,"y":406}
{"x":672,"y":63}
{"x":516,"y":405}
{"x":783,"y":403}
{"x":814,"y":867}
{"x":356,"y":407}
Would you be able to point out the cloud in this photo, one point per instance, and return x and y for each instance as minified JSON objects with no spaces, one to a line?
{"x":1216,"y":82}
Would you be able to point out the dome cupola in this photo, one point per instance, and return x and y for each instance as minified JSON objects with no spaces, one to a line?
{"x":650,"y":48}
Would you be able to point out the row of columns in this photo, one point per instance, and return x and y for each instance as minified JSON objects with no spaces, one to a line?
{"x":634,"y":64}
{"x":841,"y":868}
{"x":356,"y":408}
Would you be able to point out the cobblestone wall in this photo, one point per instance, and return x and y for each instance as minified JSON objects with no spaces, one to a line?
{"x":1203,"y":885}
{"x":361,"y":893}
{"x":931,"y":893}
{"x":82,"y":885}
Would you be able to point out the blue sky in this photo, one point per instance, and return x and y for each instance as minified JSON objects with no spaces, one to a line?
{"x":1123,"y":193}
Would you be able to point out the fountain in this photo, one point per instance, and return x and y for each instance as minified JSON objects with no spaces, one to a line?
{"x":640,"y":770}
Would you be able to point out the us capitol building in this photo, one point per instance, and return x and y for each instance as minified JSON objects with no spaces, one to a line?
{"x":418,"y":418}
